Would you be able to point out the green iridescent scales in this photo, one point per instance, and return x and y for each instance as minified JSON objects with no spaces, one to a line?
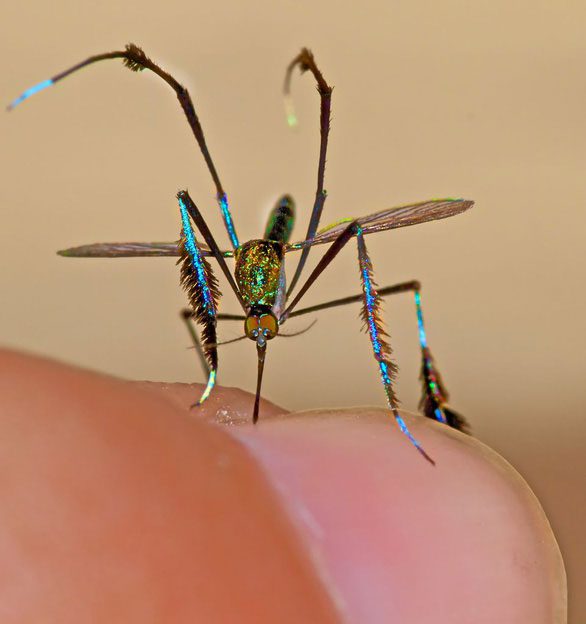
{"x":258,"y":268}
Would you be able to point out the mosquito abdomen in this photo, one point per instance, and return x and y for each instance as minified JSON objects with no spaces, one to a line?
{"x":281,"y":220}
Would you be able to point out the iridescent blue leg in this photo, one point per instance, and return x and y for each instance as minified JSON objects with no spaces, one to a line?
{"x":136,"y":60}
{"x":201,"y":286}
{"x":435,"y":397}
{"x":432,"y":395}
{"x":370,"y":314}
{"x":371,"y":311}
{"x":197,"y":218}
{"x":30,"y":91}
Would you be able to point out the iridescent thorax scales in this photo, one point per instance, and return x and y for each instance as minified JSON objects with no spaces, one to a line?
{"x":258,"y":268}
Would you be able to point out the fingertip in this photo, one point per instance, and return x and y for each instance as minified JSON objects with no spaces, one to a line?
{"x":464,"y":540}
{"x":118,"y":505}
{"x":131,"y":497}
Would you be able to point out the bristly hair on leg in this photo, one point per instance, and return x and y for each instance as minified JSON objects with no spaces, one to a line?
{"x":372,"y":323}
{"x":434,"y":395}
{"x":456,"y":421}
{"x":189,"y":282}
{"x":136,"y":59}
{"x":371,"y":315}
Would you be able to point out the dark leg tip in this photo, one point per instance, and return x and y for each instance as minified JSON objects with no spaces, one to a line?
{"x":426,"y":456}
{"x":456,"y":420}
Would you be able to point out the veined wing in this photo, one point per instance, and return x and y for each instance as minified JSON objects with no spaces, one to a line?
{"x":131,"y":250}
{"x":391,"y":218}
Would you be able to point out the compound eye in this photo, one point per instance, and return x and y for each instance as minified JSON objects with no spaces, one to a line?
{"x":251,"y":327}
{"x":269,"y":325}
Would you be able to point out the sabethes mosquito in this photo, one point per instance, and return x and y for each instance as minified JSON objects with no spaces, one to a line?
{"x":259,"y":280}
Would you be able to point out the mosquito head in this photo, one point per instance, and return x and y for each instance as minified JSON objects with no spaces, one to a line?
{"x":261,"y":324}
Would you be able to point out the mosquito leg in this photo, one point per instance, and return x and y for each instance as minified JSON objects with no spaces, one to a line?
{"x":330,"y":254}
{"x":136,"y":60}
{"x":371,"y":311}
{"x":434,"y":396}
{"x":306,"y":62}
{"x":190,"y":208}
{"x":201,"y":287}
{"x":371,"y":315}
{"x":187,"y":315}
{"x":231,"y":317}
{"x":387,"y":290}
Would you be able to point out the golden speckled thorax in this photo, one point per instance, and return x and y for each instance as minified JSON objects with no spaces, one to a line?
{"x":258,"y":270}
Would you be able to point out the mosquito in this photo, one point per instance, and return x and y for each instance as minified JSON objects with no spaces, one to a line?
{"x":258,"y":280}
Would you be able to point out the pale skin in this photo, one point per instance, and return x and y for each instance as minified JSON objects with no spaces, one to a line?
{"x":119,"y":504}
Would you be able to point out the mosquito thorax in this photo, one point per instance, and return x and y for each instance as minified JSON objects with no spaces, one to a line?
{"x":261,"y":324}
{"x":258,"y":271}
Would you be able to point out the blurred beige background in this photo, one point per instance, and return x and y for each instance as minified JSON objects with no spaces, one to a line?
{"x":481,"y":100}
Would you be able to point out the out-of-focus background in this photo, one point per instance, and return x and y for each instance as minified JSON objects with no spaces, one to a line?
{"x":480,"y":100}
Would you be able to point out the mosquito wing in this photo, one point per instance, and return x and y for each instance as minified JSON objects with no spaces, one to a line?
{"x":390,"y":219}
{"x":130,"y":250}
